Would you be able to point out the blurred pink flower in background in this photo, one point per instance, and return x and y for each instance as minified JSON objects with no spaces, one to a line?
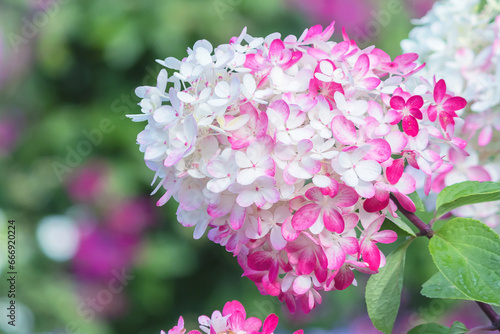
{"x":87,"y":182}
{"x":9,"y":131}
{"x":131,"y":216}
{"x":351,"y":14}
{"x":418,"y":8}
{"x":101,"y":252}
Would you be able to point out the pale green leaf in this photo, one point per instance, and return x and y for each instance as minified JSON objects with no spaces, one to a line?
{"x":401,"y":224}
{"x":465,"y":193}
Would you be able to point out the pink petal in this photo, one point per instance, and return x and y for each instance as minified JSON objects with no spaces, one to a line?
{"x":478,"y":173}
{"x":282,"y":108}
{"x":380,"y":150}
{"x":371,"y":255}
{"x":395,"y":171}
{"x":397,"y":140}
{"x":237,"y":218}
{"x":397,"y":103}
{"x":307,"y":262}
{"x":302,"y":284}
{"x":336,"y":257}
{"x":405,"y":202}
{"x":350,"y":245}
{"x":233,"y":307}
{"x":373,"y":204}
{"x":362,"y":65}
{"x":270,"y":324}
{"x":314,"y":194}
{"x":310,"y":165}
{"x":343,"y":130}
{"x":415,"y":102}
{"x":385,"y":237}
{"x":260,"y":261}
{"x":439,"y":91}
{"x":305,"y":216}
{"x":288,"y":232}
{"x":432,"y":113}
{"x":346,"y":196}
{"x":485,"y":136}
{"x":454,"y":103}
{"x":333,"y":220}
{"x":371,"y":82}
{"x":275,"y":50}
{"x":410,"y":126}
{"x":277,"y":239}
{"x":344,"y":278}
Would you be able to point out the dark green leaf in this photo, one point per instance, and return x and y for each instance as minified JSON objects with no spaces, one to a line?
{"x":467,"y":252}
{"x":465,"y":193}
{"x":383,"y":290}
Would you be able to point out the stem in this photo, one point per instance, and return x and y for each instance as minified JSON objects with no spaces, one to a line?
{"x":424,"y":228}
{"x":479,"y":329}
{"x":491,"y":314}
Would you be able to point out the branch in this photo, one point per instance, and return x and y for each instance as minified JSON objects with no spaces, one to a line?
{"x":425,"y":229}
{"x":491,"y":314}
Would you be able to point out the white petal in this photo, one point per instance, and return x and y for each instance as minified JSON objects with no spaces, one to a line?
{"x":368,"y":170}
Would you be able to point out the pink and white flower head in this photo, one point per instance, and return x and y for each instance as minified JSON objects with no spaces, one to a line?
{"x":460,"y":42}
{"x":287,"y":149}
{"x":232,"y":320}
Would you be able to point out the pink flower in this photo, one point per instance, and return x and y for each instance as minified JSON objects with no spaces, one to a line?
{"x":283,"y":147}
{"x":323,"y":210}
{"x":232,"y":319}
{"x":368,"y":246}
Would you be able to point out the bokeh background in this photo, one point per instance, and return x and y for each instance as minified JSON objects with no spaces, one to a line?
{"x":94,"y":254}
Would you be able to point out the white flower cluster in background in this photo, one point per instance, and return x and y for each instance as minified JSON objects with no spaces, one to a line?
{"x":459,"y":40}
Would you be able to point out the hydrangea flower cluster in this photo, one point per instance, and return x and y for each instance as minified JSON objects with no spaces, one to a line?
{"x":460,"y":42}
{"x":287,"y":150}
{"x":232,"y":319}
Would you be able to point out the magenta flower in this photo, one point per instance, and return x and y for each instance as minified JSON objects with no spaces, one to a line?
{"x":409,"y":111}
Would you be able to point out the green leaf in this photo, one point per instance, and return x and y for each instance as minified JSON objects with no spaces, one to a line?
{"x":433,"y":328}
{"x":401,"y":224}
{"x":465,"y":193}
{"x":383,"y":290}
{"x":467,"y":252}
{"x":430,"y":328}
{"x":439,"y":287}
{"x":458,"y":328}
{"x":417,"y":201}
